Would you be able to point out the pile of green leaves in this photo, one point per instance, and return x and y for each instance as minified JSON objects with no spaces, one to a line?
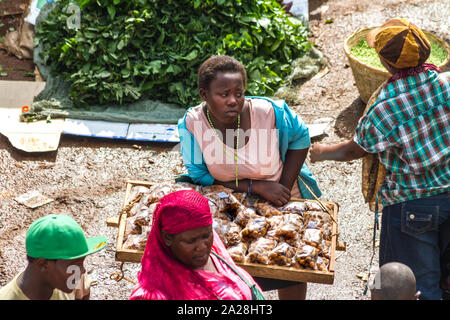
{"x":126,"y":50}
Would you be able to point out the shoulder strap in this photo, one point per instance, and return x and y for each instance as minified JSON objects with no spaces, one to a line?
{"x":256,"y":294}
{"x":234,"y":270}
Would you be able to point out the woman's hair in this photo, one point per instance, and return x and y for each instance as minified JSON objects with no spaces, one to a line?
{"x":213,"y":65}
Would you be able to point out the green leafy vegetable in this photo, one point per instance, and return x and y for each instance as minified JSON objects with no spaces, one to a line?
{"x":131,"y":49}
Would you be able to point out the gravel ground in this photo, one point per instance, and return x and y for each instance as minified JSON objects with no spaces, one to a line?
{"x":87,"y":177}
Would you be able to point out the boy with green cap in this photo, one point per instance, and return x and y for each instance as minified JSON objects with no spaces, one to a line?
{"x":56,"y":248}
{"x":408,"y":128}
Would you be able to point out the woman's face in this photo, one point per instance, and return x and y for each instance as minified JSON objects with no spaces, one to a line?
{"x":225,"y":97}
{"x":191,"y":247}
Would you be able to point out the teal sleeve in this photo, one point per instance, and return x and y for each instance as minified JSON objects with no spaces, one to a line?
{"x":309,"y":179}
{"x":298,"y":132}
{"x":192,"y":156}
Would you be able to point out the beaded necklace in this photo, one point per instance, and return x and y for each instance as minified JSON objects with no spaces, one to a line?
{"x":224,"y":149}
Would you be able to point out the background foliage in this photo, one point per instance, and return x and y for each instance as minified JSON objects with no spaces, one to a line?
{"x":127,"y":50}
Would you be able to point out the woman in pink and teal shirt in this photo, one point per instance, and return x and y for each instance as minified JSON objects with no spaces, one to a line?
{"x":249,"y":144}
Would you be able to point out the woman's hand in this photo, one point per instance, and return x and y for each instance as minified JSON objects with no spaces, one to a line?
{"x":272,"y":191}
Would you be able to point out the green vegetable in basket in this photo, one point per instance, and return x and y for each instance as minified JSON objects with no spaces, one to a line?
{"x":369,"y":56}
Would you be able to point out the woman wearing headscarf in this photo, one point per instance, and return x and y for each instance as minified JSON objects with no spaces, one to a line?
{"x":184,"y":258}
{"x":407,"y":128}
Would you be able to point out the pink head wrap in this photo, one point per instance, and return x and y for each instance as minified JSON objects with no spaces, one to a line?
{"x":182,"y":211}
{"x":162,"y":276}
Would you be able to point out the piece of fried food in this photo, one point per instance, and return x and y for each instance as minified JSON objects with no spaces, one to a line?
{"x":282,"y":255}
{"x":259,"y":250}
{"x":266,"y":210}
{"x":238,"y":251}
{"x":313,"y":237}
{"x":306,"y":256}
{"x":243,"y":216}
{"x":256,"y":228}
{"x":290,"y":227}
{"x":131,"y":227}
{"x":226,"y":203}
{"x":228,"y":231}
{"x":295,"y":207}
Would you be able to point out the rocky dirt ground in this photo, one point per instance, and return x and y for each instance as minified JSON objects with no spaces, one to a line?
{"x":87,"y":177}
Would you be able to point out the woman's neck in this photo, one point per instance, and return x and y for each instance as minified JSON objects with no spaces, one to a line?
{"x":209,"y":266}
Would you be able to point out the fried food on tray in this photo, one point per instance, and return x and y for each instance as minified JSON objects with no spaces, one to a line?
{"x":290,"y":227}
{"x":243,"y":215}
{"x":136,"y":242}
{"x":136,"y":191}
{"x":313,"y":237}
{"x":258,"y":252}
{"x":255,"y":228}
{"x":295,"y":207}
{"x":238,"y":251}
{"x":131,"y":227}
{"x":266,"y":210}
{"x":306,"y":256}
{"x":297,"y":234}
{"x":225,"y":202}
{"x":216,"y":189}
{"x":282,"y":254}
{"x":228,"y":231}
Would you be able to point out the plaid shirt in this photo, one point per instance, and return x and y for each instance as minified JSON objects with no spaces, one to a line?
{"x":409,"y":127}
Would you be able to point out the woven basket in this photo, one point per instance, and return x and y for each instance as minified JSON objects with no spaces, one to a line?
{"x":367,"y":78}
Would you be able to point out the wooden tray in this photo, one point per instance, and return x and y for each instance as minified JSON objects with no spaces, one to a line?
{"x":256,"y":270}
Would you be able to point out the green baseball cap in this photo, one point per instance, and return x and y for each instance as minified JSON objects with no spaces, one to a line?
{"x":58,"y":236}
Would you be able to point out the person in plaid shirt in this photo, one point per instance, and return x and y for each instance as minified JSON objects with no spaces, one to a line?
{"x":408,"y":127}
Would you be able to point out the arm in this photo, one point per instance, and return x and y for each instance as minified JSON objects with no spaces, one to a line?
{"x":344,"y":151}
{"x":276,"y":192}
{"x":271,"y":191}
{"x":293,"y":162}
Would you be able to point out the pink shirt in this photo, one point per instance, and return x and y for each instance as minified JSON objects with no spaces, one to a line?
{"x":259,"y":159}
